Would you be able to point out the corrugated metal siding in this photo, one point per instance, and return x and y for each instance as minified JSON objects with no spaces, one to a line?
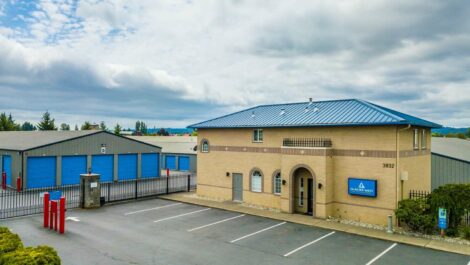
{"x":321,"y":113}
{"x":445,"y":170}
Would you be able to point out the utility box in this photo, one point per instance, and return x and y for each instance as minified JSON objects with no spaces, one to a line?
{"x":90,"y":191}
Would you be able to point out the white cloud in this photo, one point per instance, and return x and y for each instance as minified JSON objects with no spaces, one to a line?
{"x":214,"y":57}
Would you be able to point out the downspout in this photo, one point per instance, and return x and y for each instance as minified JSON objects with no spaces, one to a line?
{"x":399,"y":186}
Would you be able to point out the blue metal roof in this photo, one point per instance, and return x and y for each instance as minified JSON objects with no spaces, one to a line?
{"x":347,"y":112}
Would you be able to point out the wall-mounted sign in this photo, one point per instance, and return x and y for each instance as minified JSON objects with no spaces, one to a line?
{"x":55,"y":195}
{"x":103,"y":148}
{"x":94,"y":185}
{"x":362,"y":187}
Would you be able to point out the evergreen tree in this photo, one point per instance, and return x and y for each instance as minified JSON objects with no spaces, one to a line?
{"x":64,"y":127}
{"x":47,"y":123}
{"x":103,"y":126}
{"x":76,"y":127}
{"x":27,"y":126}
{"x":117,"y":129}
{"x":163,"y":132}
{"x":86,"y":126}
{"x":7,"y":123}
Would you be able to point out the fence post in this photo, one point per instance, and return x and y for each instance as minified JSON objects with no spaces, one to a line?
{"x":167,"y":180}
{"x":189,"y":182}
{"x":136,"y":188}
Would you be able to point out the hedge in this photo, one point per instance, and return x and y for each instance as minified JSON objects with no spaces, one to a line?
{"x":12,"y":251}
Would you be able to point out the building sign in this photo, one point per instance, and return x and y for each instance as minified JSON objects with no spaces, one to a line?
{"x":442,"y":218}
{"x":362,"y":187}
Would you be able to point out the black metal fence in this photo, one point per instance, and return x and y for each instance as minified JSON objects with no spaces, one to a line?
{"x":418,"y":194}
{"x":14,"y":204}
{"x":307,"y":142}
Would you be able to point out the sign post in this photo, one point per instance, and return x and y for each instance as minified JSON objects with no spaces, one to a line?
{"x":442,"y":220}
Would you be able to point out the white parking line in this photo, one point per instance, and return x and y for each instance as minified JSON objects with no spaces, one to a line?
{"x":151,"y":209}
{"x":176,"y":216}
{"x":308,"y":244}
{"x":260,"y":231}
{"x":218,"y":222}
{"x":381,"y":254}
{"x":468,"y":262}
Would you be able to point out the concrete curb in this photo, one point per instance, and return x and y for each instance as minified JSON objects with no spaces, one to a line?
{"x":306,"y":220}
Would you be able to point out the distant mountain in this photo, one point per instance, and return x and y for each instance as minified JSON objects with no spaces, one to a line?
{"x":446,"y":130}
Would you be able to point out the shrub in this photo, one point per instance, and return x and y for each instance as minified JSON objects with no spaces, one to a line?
{"x":456,"y":199}
{"x":415,"y":215}
{"x":465,"y":232}
{"x":40,"y":255}
{"x":9,"y":242}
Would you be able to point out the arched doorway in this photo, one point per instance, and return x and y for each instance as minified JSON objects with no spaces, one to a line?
{"x":303,"y":191}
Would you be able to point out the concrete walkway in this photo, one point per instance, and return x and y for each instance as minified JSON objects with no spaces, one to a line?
{"x":191,"y":198}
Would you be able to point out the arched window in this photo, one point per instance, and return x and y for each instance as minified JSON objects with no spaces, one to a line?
{"x":277,"y":182}
{"x":256,"y":181}
{"x":204,"y":146}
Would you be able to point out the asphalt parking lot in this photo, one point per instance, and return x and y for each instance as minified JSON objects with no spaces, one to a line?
{"x":165,"y":232}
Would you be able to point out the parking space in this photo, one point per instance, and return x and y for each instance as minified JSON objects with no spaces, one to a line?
{"x":165,"y":232}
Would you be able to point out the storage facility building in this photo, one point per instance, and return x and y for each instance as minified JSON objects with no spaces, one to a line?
{"x":55,"y":158}
{"x":179,"y":153}
{"x":450,"y":161}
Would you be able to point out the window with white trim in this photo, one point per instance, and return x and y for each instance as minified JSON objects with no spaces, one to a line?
{"x":423,"y":139}
{"x":415,"y":139}
{"x":277,"y":183}
{"x":256,"y":181}
{"x":258,"y":135}
{"x":205,"y":146}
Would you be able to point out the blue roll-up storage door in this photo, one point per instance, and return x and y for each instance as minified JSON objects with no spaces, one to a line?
{"x":150,"y":165}
{"x":41,"y":172}
{"x":103,"y":165}
{"x":7,"y":168}
{"x":127,"y":166}
{"x":72,"y":167}
{"x":170,"y":162}
{"x":183,"y":163}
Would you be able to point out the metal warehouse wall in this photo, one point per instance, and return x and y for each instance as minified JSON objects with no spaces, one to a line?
{"x":445,"y":170}
{"x":90,"y":145}
{"x":192,"y":160}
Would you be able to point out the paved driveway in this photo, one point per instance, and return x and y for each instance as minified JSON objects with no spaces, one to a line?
{"x":164,"y":232}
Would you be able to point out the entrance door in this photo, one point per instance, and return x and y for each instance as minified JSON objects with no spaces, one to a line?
{"x":310,"y":197}
{"x":237,"y":187}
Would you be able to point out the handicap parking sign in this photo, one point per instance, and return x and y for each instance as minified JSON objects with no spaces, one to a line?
{"x":442,"y":218}
{"x":55,"y":195}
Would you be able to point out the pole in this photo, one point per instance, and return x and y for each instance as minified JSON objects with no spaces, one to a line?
{"x":18,"y":184}
{"x":189,"y":183}
{"x":51,"y":214}
{"x":389,"y":224}
{"x":46,"y":209}
{"x":4,"y":180}
{"x":56,"y":216}
{"x":62,"y":215}
{"x":167,"y":180}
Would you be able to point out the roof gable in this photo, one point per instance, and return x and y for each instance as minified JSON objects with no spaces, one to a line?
{"x":349,"y":112}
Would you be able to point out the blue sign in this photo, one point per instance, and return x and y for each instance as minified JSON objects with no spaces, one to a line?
{"x":362,"y":187}
{"x":55,"y":195}
{"x":442,"y":218}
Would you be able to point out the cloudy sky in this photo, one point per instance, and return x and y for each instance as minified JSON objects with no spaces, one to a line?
{"x":172,"y":63}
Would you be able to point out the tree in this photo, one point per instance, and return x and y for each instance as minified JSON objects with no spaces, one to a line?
{"x":47,"y":123}
{"x":117,"y":129}
{"x":7,"y":123}
{"x":64,"y":127}
{"x":27,"y":126}
{"x":76,"y":127}
{"x":163,"y":132}
{"x":141,"y":127}
{"x":468,"y":133}
{"x":103,"y":126}
{"x":86,"y":126}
